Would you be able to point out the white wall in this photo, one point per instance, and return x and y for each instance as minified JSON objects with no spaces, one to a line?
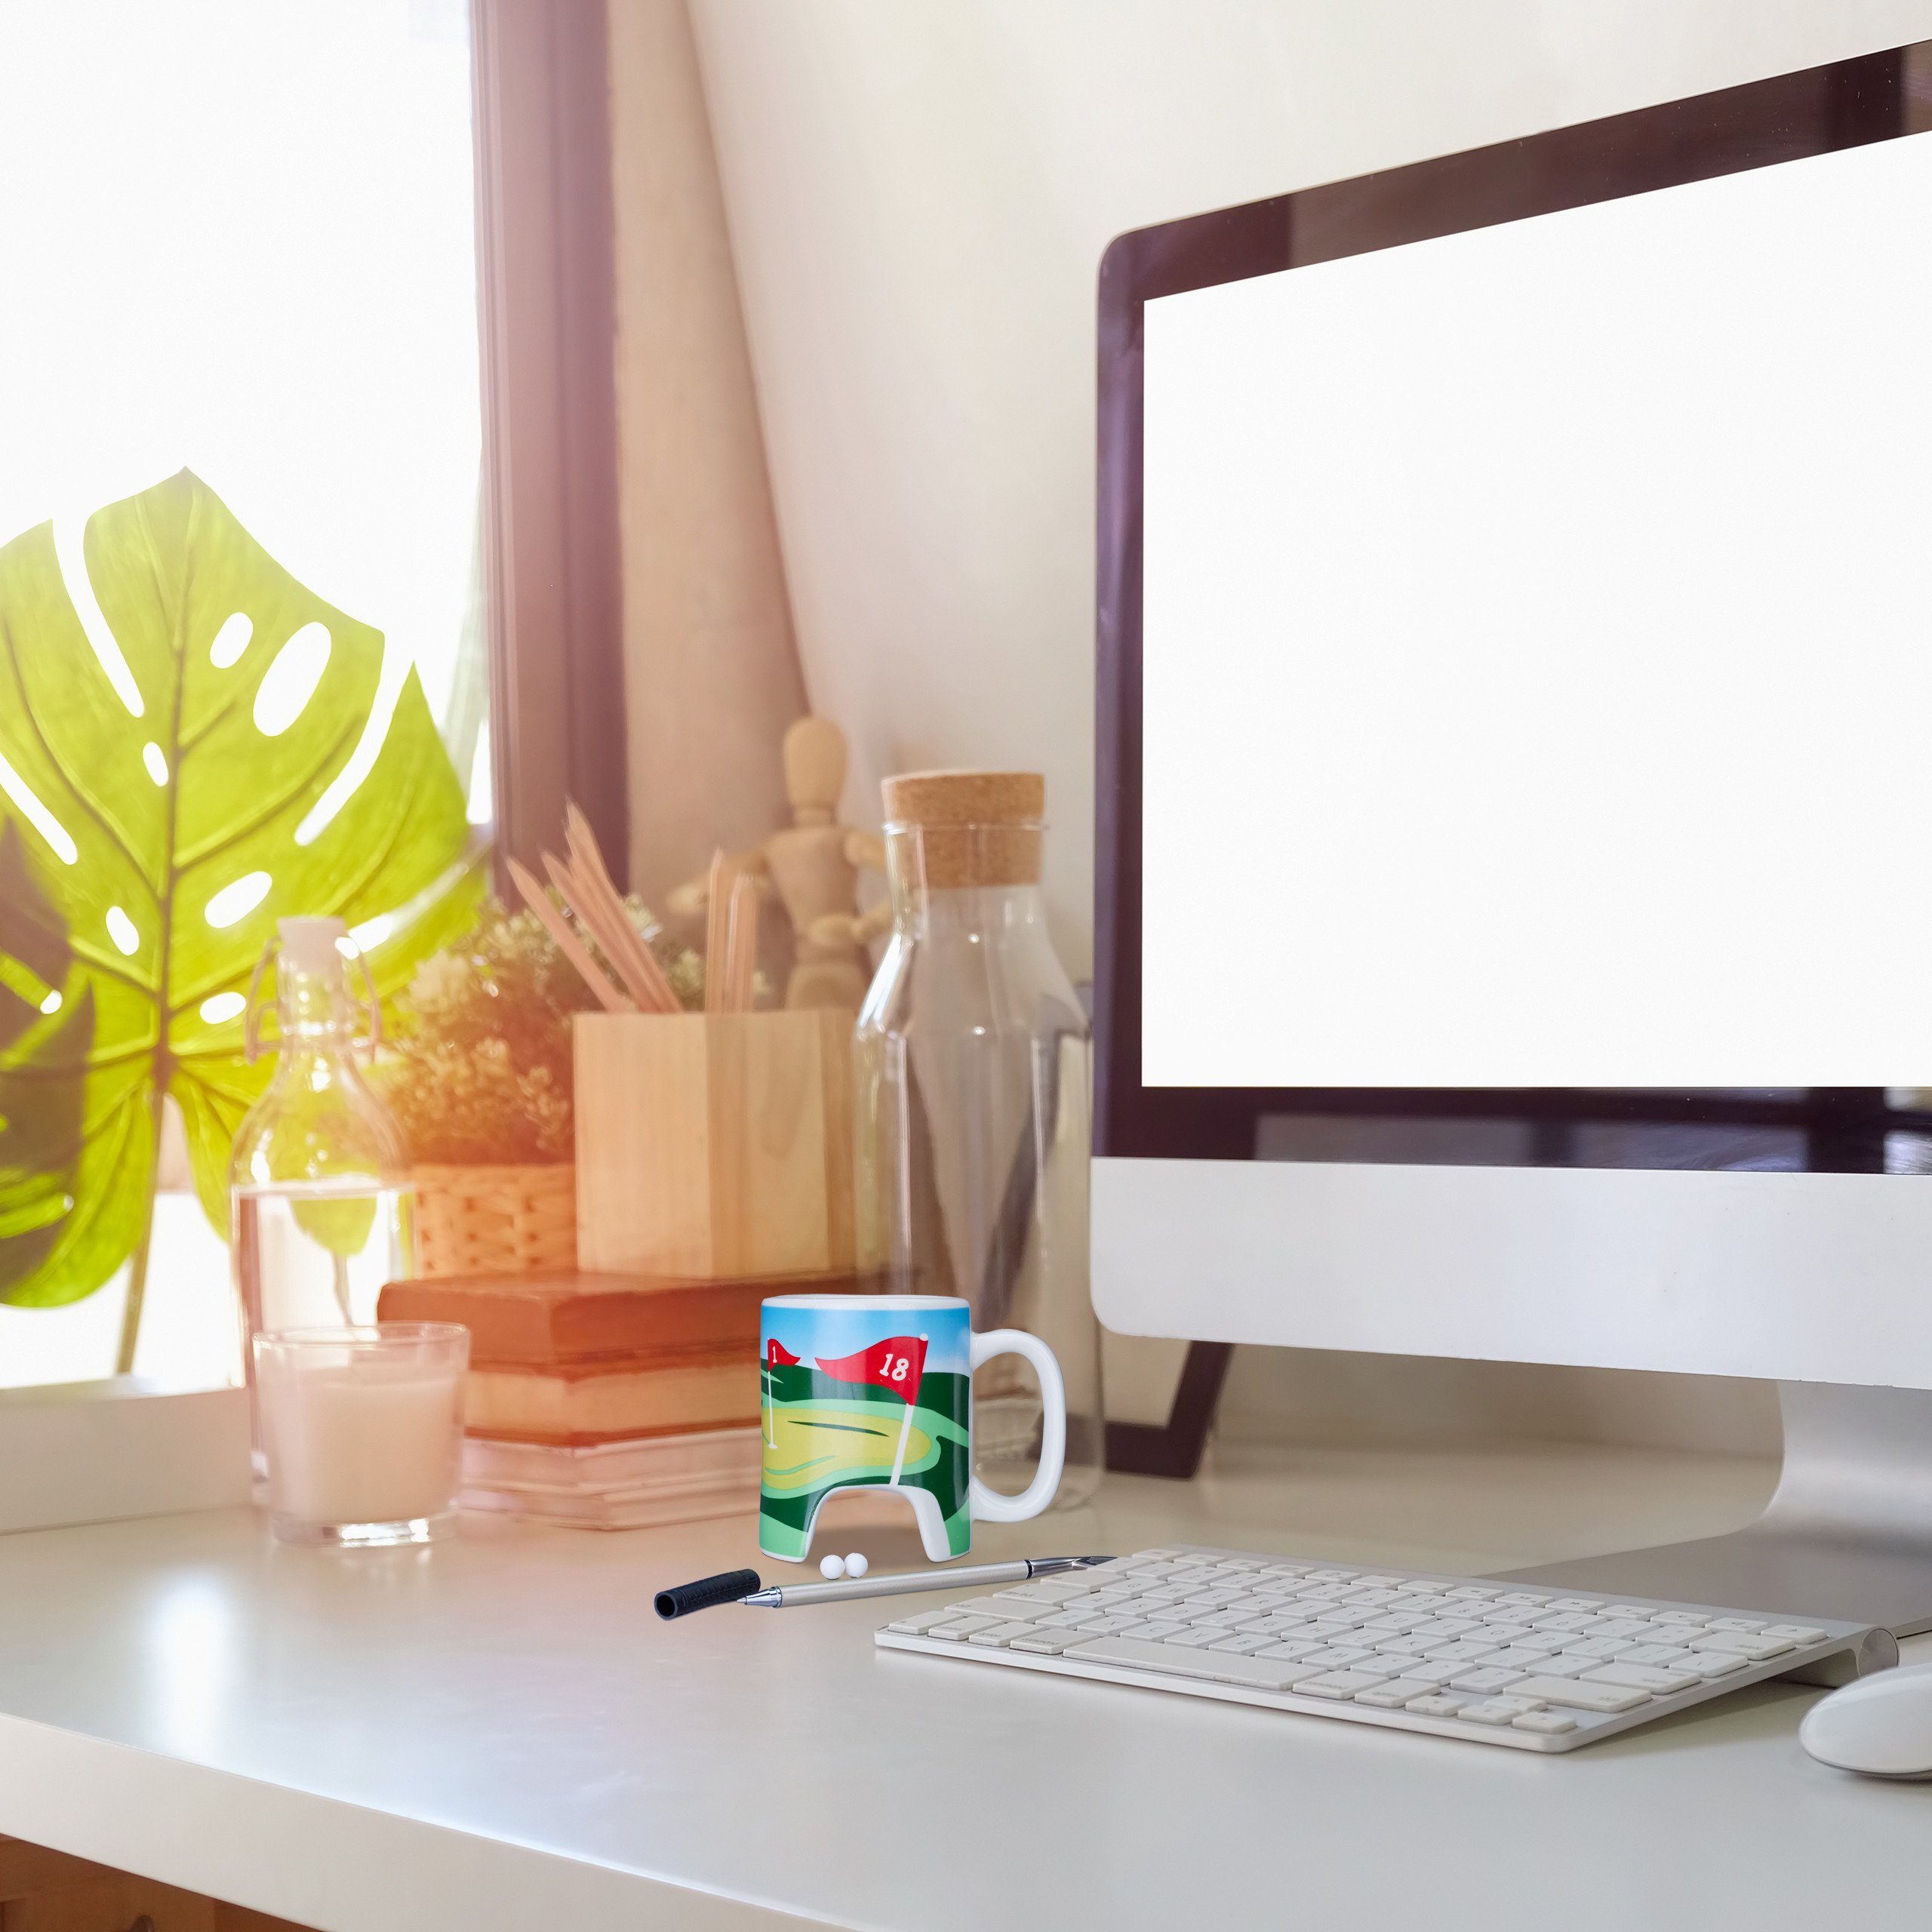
{"x":918,"y":192}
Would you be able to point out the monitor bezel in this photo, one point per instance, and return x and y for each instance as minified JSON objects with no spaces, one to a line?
{"x":1842,"y":104}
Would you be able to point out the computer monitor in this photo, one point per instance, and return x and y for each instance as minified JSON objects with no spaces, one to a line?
{"x":1515,"y":742}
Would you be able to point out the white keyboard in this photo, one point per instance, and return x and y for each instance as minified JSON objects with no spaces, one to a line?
{"x":1541,"y":1669}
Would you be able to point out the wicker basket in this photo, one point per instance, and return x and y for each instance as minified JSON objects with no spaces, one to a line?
{"x":495,"y":1220}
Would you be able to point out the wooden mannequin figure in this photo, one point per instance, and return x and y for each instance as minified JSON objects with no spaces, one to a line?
{"x":812,"y":867}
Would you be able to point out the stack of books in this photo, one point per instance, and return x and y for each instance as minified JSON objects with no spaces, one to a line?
{"x":632,"y":1485}
{"x":608,"y":1400}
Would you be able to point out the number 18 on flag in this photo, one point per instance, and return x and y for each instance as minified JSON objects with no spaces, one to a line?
{"x":895,"y":1364}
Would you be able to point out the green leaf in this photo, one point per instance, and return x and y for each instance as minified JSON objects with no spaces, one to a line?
{"x":157,"y":787}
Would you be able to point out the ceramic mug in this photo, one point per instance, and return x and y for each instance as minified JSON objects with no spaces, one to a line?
{"x":876,"y":1392}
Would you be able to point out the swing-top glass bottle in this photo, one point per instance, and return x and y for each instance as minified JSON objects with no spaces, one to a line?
{"x":322,"y":1209}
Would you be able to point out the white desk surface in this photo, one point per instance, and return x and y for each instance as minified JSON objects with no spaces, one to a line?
{"x":498,"y":1735}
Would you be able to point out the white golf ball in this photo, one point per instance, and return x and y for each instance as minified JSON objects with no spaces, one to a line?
{"x":832,"y":1567}
{"x":856,"y":1565}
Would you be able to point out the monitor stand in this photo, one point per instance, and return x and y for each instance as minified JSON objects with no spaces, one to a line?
{"x":1848,"y":1534}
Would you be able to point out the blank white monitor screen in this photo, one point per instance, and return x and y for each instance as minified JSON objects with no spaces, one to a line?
{"x":1537,"y":651}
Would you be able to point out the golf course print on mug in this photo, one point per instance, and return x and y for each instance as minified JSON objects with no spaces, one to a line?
{"x":876,"y":1392}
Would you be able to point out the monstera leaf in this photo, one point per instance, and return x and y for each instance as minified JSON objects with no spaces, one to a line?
{"x":165,"y":793}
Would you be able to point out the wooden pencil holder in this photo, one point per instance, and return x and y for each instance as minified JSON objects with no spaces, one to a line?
{"x":712,"y":1145}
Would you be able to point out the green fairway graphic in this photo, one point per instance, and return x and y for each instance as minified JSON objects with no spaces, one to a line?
{"x":822,"y":1434}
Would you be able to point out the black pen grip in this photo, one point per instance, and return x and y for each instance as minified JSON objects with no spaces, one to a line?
{"x":730,"y":1586}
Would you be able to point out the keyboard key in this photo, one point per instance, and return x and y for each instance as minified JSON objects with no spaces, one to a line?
{"x":1563,"y":1621}
{"x":1392,"y":1693}
{"x":1751,"y":1623}
{"x":1047,"y":1589}
{"x":1548,"y":1723}
{"x":1576,"y":1603}
{"x":1241,"y":1646}
{"x":1338,"y":1656}
{"x":1631,"y":1629}
{"x":1332,"y":1576}
{"x":1685,"y":1616}
{"x":1001,"y":1634}
{"x":1580,"y":1696}
{"x":1155,"y":1627}
{"x":1289,"y":1652}
{"x":1800,"y":1634}
{"x":960,"y":1628}
{"x":914,"y":1626}
{"x":1192,"y":1640}
{"x":1490,"y":1711}
{"x":1486,"y":1680}
{"x":1340,"y":1684}
{"x":1602,"y":1648}
{"x":1462,"y":1650}
{"x":1708,"y":1664}
{"x":1436,"y":1704}
{"x":1523,"y":1656}
{"x":1044,"y":1644}
{"x":1106,"y":1625}
{"x":1657,"y":1655}
{"x":1393,"y":1646}
{"x":1434,"y":1674}
{"x":1755,"y":1647}
{"x":1636,"y":1677}
{"x":1136,"y":1654}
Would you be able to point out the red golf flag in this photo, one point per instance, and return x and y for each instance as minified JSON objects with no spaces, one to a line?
{"x":897,"y":1363}
{"x":776,"y":1355}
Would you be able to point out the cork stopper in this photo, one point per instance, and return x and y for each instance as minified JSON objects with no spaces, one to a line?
{"x":976,"y":828}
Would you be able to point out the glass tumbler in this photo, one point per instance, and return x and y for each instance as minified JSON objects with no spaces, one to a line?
{"x":363,"y":1428}
{"x":972,"y":1102}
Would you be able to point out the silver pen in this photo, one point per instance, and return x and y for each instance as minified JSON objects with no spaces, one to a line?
{"x":784,"y":1595}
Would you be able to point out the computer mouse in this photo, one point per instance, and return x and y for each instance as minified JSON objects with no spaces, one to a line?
{"x":1880,"y":1726}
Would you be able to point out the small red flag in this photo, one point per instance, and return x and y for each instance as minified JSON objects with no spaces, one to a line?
{"x":897,"y":1363}
{"x":776,"y":1355}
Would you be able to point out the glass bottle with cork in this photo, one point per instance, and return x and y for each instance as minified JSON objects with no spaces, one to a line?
{"x":973,"y":1102}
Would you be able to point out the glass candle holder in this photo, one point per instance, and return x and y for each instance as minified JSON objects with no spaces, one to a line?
{"x":363,"y":1428}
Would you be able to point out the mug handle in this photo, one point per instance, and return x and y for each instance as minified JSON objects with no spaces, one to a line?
{"x":989,"y":1506}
